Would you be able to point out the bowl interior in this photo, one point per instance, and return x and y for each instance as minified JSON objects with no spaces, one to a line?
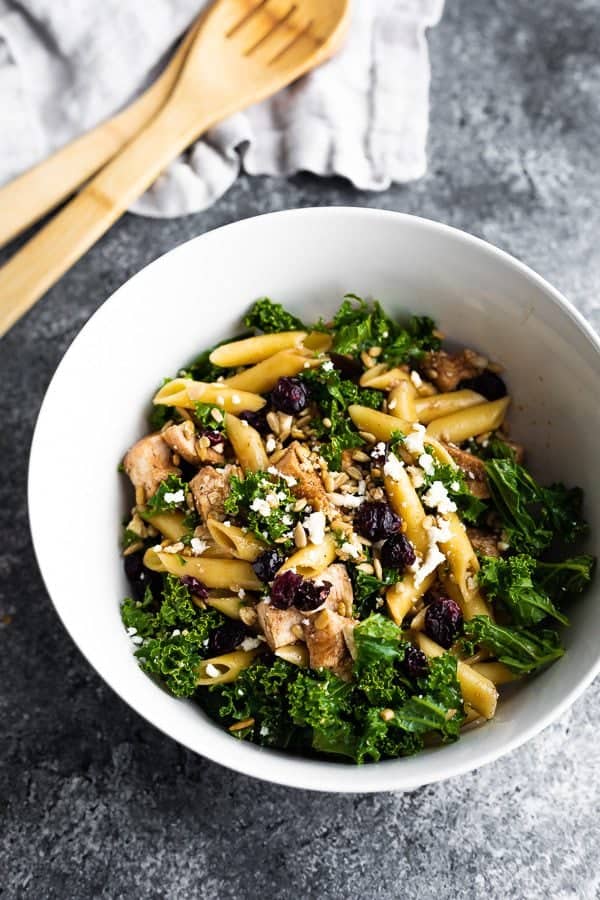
{"x":306,"y":259}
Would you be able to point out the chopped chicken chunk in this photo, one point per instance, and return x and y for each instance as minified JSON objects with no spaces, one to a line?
{"x":148,"y":463}
{"x":210,"y":488}
{"x":182,"y":439}
{"x":309,"y":485}
{"x":474,"y":469}
{"x":279,"y":626}
{"x":484,"y":542}
{"x":341,"y":597}
{"x":446,"y":370}
{"x":326,"y":641}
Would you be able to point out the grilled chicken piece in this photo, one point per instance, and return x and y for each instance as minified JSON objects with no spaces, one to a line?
{"x":148,"y":463}
{"x":341,"y":597}
{"x":473,"y":468}
{"x":484,"y":542}
{"x":309,"y":485}
{"x":326,"y":642}
{"x":279,"y":626}
{"x":210,"y":489}
{"x":182,"y":439}
{"x":446,"y":370}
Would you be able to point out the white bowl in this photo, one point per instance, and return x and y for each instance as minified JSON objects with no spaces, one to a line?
{"x":307,"y":259}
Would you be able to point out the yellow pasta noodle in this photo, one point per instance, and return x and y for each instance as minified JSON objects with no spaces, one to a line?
{"x":242,"y":544}
{"x":380,"y":425}
{"x":264,"y":375}
{"x":496,"y":672}
{"x":254,"y":349}
{"x":312,"y":559}
{"x":430,"y":408}
{"x":170,"y":524}
{"x":464,"y":566}
{"x":402,"y":596}
{"x":227,"y":666}
{"x":185,"y":393}
{"x":229,"y":574}
{"x":405,"y":501}
{"x":297,"y":654}
{"x":401,"y":402}
{"x":318,"y":341}
{"x":477,"y":690}
{"x":228,"y":605}
{"x":469,"y":422}
{"x":247,"y":444}
{"x":382,"y":378}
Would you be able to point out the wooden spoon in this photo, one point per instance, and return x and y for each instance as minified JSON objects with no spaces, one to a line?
{"x":243,"y":52}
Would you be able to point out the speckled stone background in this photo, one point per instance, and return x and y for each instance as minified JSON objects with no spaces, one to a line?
{"x":96,"y":803}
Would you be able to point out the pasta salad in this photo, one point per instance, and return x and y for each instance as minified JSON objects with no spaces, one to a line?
{"x":335,"y":547}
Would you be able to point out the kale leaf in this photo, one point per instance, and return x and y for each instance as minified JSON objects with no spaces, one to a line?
{"x":567,"y":578}
{"x":410,"y":343}
{"x":523,"y":651}
{"x":265,"y":504}
{"x":510,"y":582}
{"x":270,"y":318}
{"x":380,"y":648}
{"x":203,"y":414}
{"x":161,"y":502}
{"x":367,"y":589}
{"x":358,"y":326}
{"x":469,"y":506}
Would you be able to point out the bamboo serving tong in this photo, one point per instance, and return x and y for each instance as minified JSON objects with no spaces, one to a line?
{"x":238,"y":53}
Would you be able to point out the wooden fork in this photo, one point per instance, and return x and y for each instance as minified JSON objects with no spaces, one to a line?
{"x":243,"y":52}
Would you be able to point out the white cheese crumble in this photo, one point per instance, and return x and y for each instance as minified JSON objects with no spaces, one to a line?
{"x":427,"y":464}
{"x":289,"y":479}
{"x":350,"y":500}
{"x":315,"y":525}
{"x":137,"y":639}
{"x":439,"y":532}
{"x":437,"y":498}
{"x":327,"y":366}
{"x":250,"y":643}
{"x":261,"y":507}
{"x":131,"y":631}
{"x":241,"y":593}
{"x":414,"y":441}
{"x":393,"y":467}
{"x":270,"y":444}
{"x":174,"y":496}
{"x":455,"y":486}
{"x":350,"y":549}
{"x":378,"y":449}
{"x":198,"y":546}
{"x":416,"y":379}
{"x":212,"y":671}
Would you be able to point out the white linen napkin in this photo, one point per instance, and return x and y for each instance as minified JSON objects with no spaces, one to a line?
{"x":66,"y":65}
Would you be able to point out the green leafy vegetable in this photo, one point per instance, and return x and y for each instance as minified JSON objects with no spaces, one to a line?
{"x":410,"y":343}
{"x":533,"y":515}
{"x":129,"y":538}
{"x":397,"y":438}
{"x":494,"y":448}
{"x":160,"y":414}
{"x":521,"y":650}
{"x":380,"y":649}
{"x":174,"y":637}
{"x":358,"y":325}
{"x":270,"y":318}
{"x":367,"y":589}
{"x":453,"y":479}
{"x":204,"y":415}
{"x":510,"y":582}
{"x":264,"y":502}
{"x":567,"y":578}
{"x":162,"y":502}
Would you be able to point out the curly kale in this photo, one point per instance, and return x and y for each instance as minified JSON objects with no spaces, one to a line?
{"x":265,"y":504}
{"x":510,"y":582}
{"x":169,"y":495}
{"x":469,"y":506}
{"x":523,"y":651}
{"x":270,"y":318}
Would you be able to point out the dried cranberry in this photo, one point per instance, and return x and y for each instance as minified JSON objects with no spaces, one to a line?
{"x":397,"y":552}
{"x":443,"y":621}
{"x":215,"y":437}
{"x":195,"y":587}
{"x":257,"y":420}
{"x":140,"y":577}
{"x":267,"y":565}
{"x":289,"y":395}
{"x":284,"y":590}
{"x":311,"y":595}
{"x":347,"y":367}
{"x":376,"y":520}
{"x":415,"y":662}
{"x":490,"y":385}
{"x":226,"y":637}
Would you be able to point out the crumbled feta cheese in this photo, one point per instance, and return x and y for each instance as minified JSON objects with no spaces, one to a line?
{"x":198,"y":546}
{"x":261,"y":507}
{"x":393,"y":467}
{"x":212,"y":671}
{"x":385,"y":334}
{"x":392,"y":404}
{"x":351,"y":549}
{"x":241,"y":593}
{"x":131,"y":631}
{"x":174,"y":496}
{"x":437,"y":498}
{"x":287,"y":520}
{"x":176,"y":632}
{"x":289,"y":479}
{"x":315,"y":525}
{"x":264,"y":731}
{"x":414,"y":441}
{"x":416,"y":476}
{"x":137,"y":639}
{"x":378,"y":450}
{"x":218,"y":448}
{"x":349,"y":500}
{"x":250,"y":643}
{"x":270,"y":444}
{"x":438,"y":532}
{"x":379,"y":602}
{"x":502,"y":546}
{"x":427,"y":464}
{"x":416,"y":379}
{"x":327,"y":366}
{"x":455,"y":486}
{"x":273,"y":499}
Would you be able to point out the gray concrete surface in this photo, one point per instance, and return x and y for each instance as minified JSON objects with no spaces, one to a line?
{"x":93,"y":801}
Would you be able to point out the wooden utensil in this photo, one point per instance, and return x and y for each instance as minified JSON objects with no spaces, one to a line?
{"x":243,"y":52}
{"x":39,"y":190}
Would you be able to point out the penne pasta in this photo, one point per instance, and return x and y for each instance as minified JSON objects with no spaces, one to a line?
{"x":222,"y":669}
{"x":229,"y":606}
{"x":263,"y":377}
{"x":379,"y":424}
{"x":255,"y":349}
{"x":242,"y":544}
{"x":401,"y":401}
{"x":170,"y":524}
{"x":496,"y":672}
{"x":247,"y":444}
{"x":402,"y":596}
{"x":469,"y":422}
{"x":430,"y":408}
{"x":318,"y":341}
{"x":477,"y":690}
{"x":312,"y":559}
{"x":464,"y":566}
{"x":382,"y":378}
{"x":230,"y":574}
{"x":297,"y":654}
{"x":405,"y":501}
{"x":185,"y":393}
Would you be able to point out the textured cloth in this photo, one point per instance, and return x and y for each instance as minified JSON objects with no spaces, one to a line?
{"x":66,"y":65}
